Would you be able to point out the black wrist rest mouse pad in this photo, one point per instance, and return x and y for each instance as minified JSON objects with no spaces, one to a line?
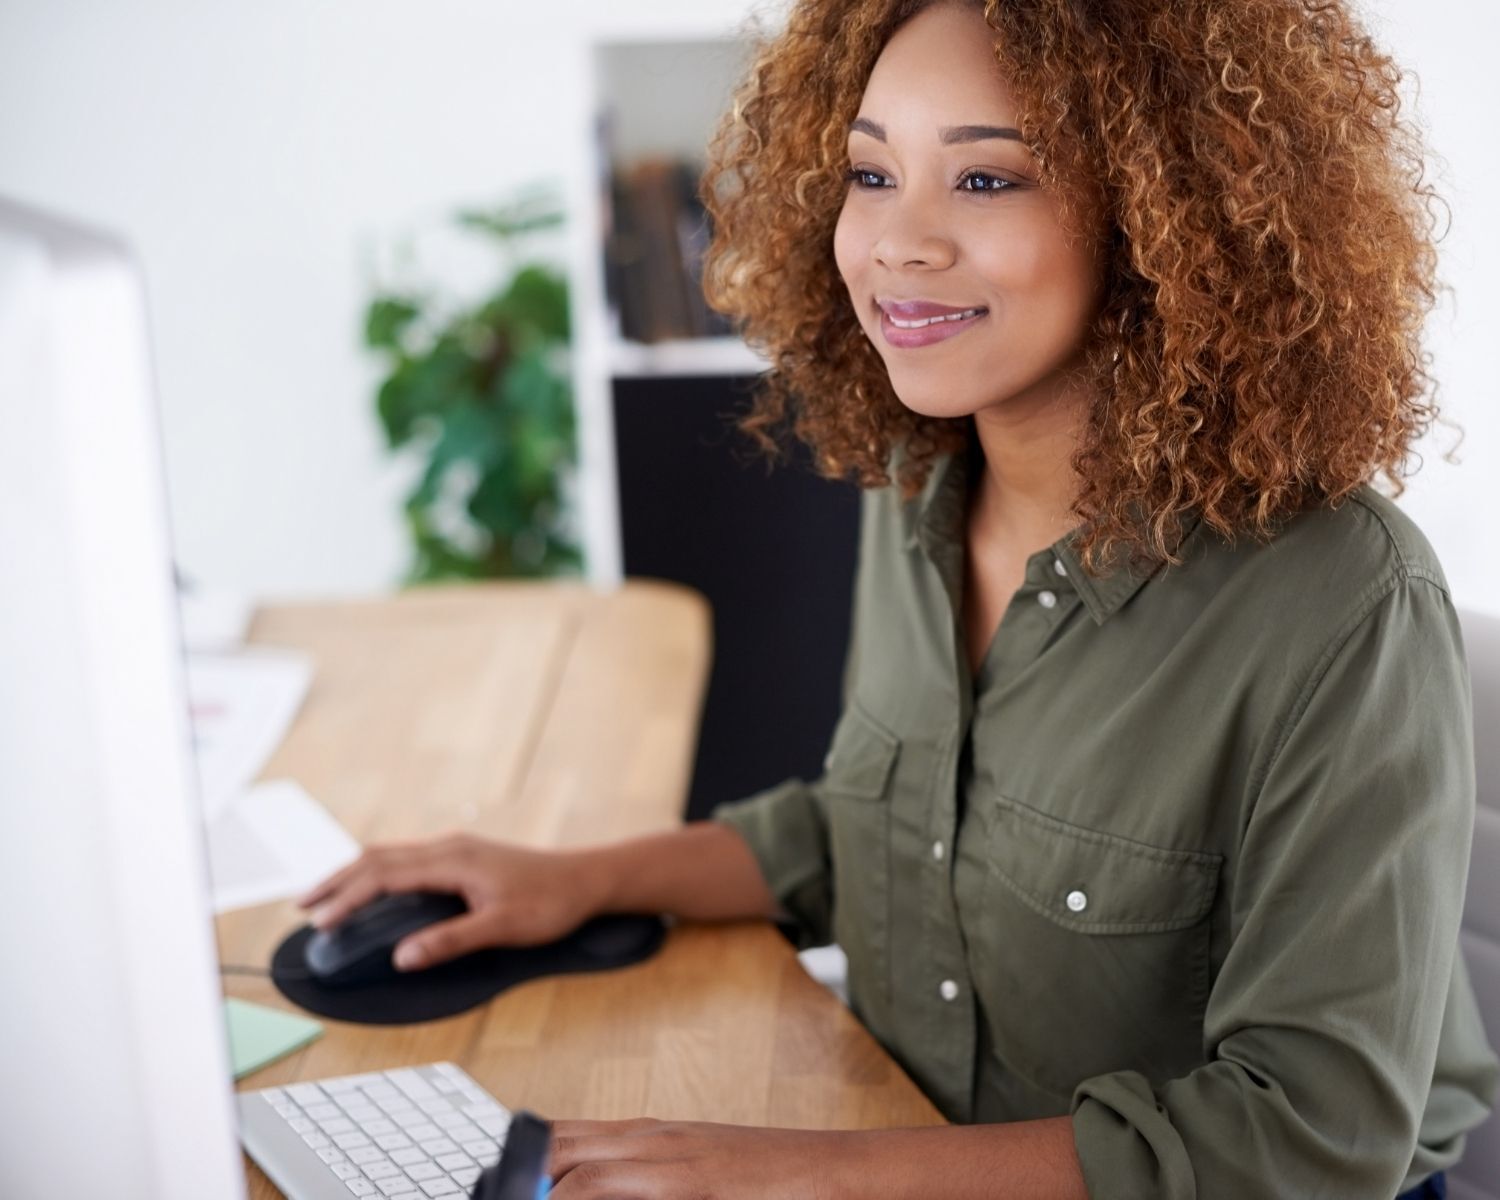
{"x":461,"y":983}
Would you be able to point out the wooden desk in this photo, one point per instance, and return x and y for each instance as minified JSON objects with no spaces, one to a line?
{"x":549,"y":714}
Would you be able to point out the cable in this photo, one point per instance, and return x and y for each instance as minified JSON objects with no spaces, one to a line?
{"x":264,"y":972}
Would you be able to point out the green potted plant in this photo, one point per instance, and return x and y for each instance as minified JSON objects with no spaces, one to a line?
{"x":481,"y":393}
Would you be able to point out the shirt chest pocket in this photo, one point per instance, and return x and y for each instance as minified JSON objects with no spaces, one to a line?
{"x":856,"y":793}
{"x":1092,"y":952}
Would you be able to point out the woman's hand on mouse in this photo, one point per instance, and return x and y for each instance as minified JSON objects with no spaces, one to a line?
{"x":516,"y":896}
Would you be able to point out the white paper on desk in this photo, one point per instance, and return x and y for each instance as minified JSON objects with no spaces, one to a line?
{"x":241,"y":705}
{"x":213,"y":618}
{"x":273,"y":842}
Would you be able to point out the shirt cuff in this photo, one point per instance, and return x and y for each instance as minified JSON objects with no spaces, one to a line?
{"x":1127,"y":1144}
{"x":783,"y":826}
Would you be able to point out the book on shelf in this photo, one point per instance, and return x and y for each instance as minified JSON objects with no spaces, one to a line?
{"x":657,"y":234}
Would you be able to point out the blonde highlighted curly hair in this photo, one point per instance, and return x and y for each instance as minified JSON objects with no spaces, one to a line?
{"x":1272,"y":254}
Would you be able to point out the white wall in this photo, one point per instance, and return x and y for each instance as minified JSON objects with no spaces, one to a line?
{"x":1449,"y":44}
{"x":256,"y":154}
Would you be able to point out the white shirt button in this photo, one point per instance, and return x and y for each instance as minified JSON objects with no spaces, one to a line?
{"x":948,"y":990}
{"x":1077,"y":901}
{"x":1057,"y":565}
{"x":937,"y":851}
{"x":1047,"y":599}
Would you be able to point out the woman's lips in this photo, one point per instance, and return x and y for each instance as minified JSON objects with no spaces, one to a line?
{"x":939,"y":323}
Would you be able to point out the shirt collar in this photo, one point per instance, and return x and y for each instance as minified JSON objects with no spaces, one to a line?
{"x":935,"y":522}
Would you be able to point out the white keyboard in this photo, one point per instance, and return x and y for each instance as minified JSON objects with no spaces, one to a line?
{"x":409,"y":1133}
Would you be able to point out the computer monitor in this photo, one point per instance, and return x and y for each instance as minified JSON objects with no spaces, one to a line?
{"x":114,"y":1067}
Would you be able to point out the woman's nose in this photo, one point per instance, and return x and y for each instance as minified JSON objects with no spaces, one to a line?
{"x":913,"y":237}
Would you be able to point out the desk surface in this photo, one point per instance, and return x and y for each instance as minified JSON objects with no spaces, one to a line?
{"x":550,"y":714}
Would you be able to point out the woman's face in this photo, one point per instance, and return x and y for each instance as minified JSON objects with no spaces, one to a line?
{"x":958,"y":264}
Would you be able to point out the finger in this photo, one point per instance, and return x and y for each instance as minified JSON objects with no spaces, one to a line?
{"x":581,"y":1128}
{"x":577,"y":1142}
{"x":369,"y":857}
{"x":612,"y":1181}
{"x":446,"y":940}
{"x":329,"y":885}
{"x":404,"y":871}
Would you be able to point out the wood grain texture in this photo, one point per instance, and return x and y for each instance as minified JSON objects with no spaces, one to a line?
{"x":551,"y":714}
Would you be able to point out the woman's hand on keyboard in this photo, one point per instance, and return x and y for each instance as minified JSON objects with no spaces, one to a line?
{"x":516,"y":896}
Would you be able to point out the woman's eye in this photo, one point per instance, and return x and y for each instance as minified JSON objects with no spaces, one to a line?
{"x":862,"y":178}
{"x":978,"y":181}
{"x":971,"y":181}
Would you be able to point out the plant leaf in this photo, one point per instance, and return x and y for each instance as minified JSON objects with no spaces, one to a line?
{"x":387,"y":319}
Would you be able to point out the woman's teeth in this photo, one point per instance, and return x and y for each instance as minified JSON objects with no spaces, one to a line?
{"x":925,"y":321}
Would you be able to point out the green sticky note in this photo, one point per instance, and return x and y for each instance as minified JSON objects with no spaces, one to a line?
{"x":259,"y":1035}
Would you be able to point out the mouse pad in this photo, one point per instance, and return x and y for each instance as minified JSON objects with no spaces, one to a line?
{"x":601,"y":944}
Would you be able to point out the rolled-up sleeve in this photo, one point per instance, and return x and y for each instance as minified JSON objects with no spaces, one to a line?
{"x":1322,"y":1026}
{"x":786,"y":830}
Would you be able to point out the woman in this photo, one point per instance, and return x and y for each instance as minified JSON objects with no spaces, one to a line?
{"x":1146,"y":822}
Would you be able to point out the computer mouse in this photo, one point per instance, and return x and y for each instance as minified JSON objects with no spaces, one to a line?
{"x":358,"y":950}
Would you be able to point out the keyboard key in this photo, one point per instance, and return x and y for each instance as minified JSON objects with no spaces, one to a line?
{"x":305,"y":1093}
{"x":412,"y":1120}
{"x":440,"y":1187}
{"x":436,"y":1146}
{"x":301,"y":1125}
{"x":394,"y":1104}
{"x":348,"y":1141}
{"x":331,"y":1154}
{"x":463,"y":1133}
{"x":360,"y":1187}
{"x":383,"y":1089}
{"x":409,"y":1082}
{"x":345,"y":1170}
{"x":367,"y":1154}
{"x":362,"y":1111}
{"x":319,"y":1111}
{"x":423,"y":1170}
{"x":452,"y":1162}
{"x":377,"y":1125}
{"x":343,"y":1083}
{"x":446,"y":1083}
{"x":465,"y":1176}
{"x":423,"y":1133}
{"x":398,"y":1186}
{"x":337,"y":1125}
{"x":315,"y":1140}
{"x":434,"y":1104}
{"x":494,"y":1127}
{"x":384,"y":1169}
{"x":484,"y":1153}
{"x":482,"y":1108}
{"x":393,"y":1141}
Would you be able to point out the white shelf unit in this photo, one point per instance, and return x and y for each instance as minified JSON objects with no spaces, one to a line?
{"x":663,"y":92}
{"x":683,"y":356}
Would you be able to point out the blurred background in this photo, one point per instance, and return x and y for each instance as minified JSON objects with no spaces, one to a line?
{"x":330,"y":202}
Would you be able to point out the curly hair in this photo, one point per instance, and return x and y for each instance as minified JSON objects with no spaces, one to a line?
{"x":1271,"y":254}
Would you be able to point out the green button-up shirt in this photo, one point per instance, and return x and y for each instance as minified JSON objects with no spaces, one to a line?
{"x":1186,"y":860}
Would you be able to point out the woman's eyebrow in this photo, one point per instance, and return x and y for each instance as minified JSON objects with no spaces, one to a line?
{"x":950,"y":136}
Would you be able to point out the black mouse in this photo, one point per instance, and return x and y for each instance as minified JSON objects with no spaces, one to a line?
{"x":358,"y":950}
